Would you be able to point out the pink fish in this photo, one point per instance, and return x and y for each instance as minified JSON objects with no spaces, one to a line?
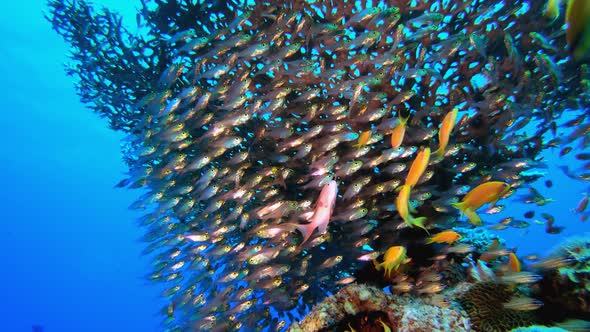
{"x":322,"y":213}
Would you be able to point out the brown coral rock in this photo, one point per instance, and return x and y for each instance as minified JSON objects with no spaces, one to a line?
{"x":484,"y":302}
{"x":405,"y":313}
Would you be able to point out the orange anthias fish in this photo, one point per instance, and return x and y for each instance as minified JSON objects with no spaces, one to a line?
{"x":552,"y":9}
{"x":418,"y":167}
{"x":488,"y":192}
{"x":444,"y":237}
{"x":513,"y":263}
{"x":397,"y":136}
{"x":402,"y":204}
{"x":444,"y":132}
{"x":577,"y":34}
{"x":363,"y":139}
{"x":394,"y":257}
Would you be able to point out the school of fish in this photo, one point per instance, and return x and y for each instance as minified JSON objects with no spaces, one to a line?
{"x":283,"y":146}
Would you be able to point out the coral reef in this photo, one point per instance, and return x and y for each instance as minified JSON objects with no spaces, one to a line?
{"x":567,"y":287}
{"x":479,"y":237}
{"x":484,"y":302}
{"x":404,"y":313}
{"x":239,"y":113}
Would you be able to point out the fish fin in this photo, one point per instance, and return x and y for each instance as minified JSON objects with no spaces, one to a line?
{"x":403,"y":120}
{"x":306,"y":231}
{"x":376,"y":265}
{"x":459,"y":205}
{"x":438,"y":155}
{"x":419,"y":222}
{"x":473,"y":217}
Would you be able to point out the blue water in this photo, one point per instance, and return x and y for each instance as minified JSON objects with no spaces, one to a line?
{"x":69,"y":254}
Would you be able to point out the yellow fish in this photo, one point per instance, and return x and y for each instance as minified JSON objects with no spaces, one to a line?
{"x":386,"y":328}
{"x":513,"y":263}
{"x":397,"y":136}
{"x":444,"y":132}
{"x":488,"y":192}
{"x":418,"y":167}
{"x":577,"y":34}
{"x":402,"y":203}
{"x":394,"y":257}
{"x":351,"y":329}
{"x":363,"y":139}
{"x":444,"y":237}
{"x":552,"y":9}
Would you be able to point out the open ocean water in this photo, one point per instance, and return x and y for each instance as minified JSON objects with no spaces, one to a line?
{"x":69,"y":250}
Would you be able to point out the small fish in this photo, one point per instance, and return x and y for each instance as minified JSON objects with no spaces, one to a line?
{"x":330,"y":262}
{"x":363,"y":139}
{"x":523,"y":304}
{"x":523,"y":277}
{"x":402,"y":204}
{"x":582,"y":205}
{"x":402,"y":287}
{"x":553,"y":263}
{"x":513,"y":263}
{"x":529,"y":214}
{"x":446,"y":128}
{"x":397,"y":136}
{"x":448,"y":237}
{"x":431,"y":288}
{"x":418,"y":167}
{"x":460,"y":248}
{"x":394,"y":257}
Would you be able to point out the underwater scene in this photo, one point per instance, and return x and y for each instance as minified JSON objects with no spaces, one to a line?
{"x":296,"y":165}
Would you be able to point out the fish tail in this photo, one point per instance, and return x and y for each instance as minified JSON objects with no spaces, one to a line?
{"x":419,"y":222}
{"x":438,"y":154}
{"x":306,"y":231}
{"x":404,"y":119}
{"x":460,"y":206}
{"x":377,"y":265}
{"x":473,"y":217}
